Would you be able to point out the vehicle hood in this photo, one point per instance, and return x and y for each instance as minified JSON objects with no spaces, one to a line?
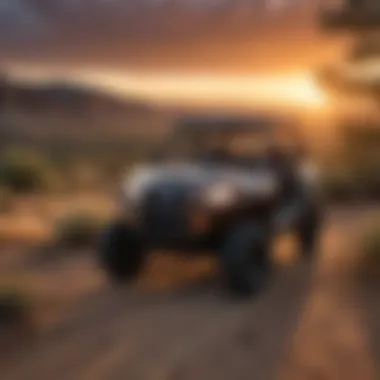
{"x":195,"y":176}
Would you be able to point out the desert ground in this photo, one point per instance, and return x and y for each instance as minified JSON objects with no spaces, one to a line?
{"x":176,"y":323}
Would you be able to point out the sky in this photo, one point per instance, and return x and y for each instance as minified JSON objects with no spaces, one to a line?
{"x":221,"y":50}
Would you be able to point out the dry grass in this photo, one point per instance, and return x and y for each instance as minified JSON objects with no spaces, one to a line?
{"x":77,"y":229}
{"x":33,"y":217}
{"x":54,"y":126}
{"x":22,"y":229}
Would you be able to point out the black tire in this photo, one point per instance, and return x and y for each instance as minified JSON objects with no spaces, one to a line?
{"x":244,"y":259}
{"x":121,"y":252}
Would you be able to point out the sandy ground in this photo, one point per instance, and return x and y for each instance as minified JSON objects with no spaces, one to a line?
{"x":311,"y":324}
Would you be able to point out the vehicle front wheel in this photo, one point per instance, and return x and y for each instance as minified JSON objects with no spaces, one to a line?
{"x":121,"y":252}
{"x":244,"y":259}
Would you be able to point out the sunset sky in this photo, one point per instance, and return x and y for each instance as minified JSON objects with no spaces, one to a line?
{"x":217,"y":50}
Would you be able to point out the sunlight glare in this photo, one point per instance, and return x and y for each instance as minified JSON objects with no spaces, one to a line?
{"x":286,"y":90}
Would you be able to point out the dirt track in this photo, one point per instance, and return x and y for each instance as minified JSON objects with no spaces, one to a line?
{"x":309,"y":325}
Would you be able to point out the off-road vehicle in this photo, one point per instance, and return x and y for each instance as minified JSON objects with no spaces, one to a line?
{"x":226,"y":185}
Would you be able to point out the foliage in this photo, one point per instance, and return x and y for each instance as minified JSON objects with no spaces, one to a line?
{"x":357,"y":170}
{"x":15,"y":305}
{"x":78,"y":229}
{"x":23,"y":170}
{"x":362,"y":156}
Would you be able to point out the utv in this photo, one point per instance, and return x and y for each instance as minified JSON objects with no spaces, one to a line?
{"x":218,"y":184}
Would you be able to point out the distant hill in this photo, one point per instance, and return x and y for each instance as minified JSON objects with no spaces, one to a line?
{"x":69,"y":98}
{"x":60,"y":110}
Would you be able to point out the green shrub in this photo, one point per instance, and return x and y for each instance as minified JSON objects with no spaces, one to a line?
{"x":369,"y":252}
{"x":77,"y":230}
{"x":24,"y":170}
{"x":15,"y":306}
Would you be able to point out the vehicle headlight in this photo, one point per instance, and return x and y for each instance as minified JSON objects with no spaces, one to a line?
{"x":135,"y":185}
{"x":132,"y":192}
{"x":220,"y":195}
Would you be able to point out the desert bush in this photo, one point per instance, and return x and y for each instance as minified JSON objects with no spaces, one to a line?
{"x":15,"y":306}
{"x":337,"y":185}
{"x":369,"y":252}
{"x":78,"y":229}
{"x":361,"y":155}
{"x":23,"y":170}
{"x":82,"y":175}
{"x":357,"y":163}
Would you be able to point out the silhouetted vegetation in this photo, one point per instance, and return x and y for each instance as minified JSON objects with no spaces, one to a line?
{"x":77,"y":230}
{"x":15,"y":306}
{"x":23,"y":170}
{"x":353,"y":15}
{"x":354,"y":170}
{"x":361,"y":155}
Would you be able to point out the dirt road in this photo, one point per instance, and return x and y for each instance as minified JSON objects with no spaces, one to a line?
{"x":309,"y":325}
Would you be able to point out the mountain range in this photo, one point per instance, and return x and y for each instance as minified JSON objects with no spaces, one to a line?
{"x":64,"y":111}
{"x":68,"y":98}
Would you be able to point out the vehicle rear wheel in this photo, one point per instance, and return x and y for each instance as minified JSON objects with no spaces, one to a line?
{"x":121,"y":252}
{"x":244,"y":259}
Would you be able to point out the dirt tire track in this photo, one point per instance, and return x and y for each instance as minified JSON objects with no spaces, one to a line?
{"x":159,"y":336}
{"x":84,"y":339}
{"x":129,"y":334}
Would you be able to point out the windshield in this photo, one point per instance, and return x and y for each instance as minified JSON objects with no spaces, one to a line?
{"x":206,"y":146}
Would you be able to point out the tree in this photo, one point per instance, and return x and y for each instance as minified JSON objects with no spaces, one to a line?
{"x":362,"y":19}
{"x":352,"y":15}
{"x":360,"y":141}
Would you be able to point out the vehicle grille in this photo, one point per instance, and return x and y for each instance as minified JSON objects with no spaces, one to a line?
{"x":164,"y":215}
